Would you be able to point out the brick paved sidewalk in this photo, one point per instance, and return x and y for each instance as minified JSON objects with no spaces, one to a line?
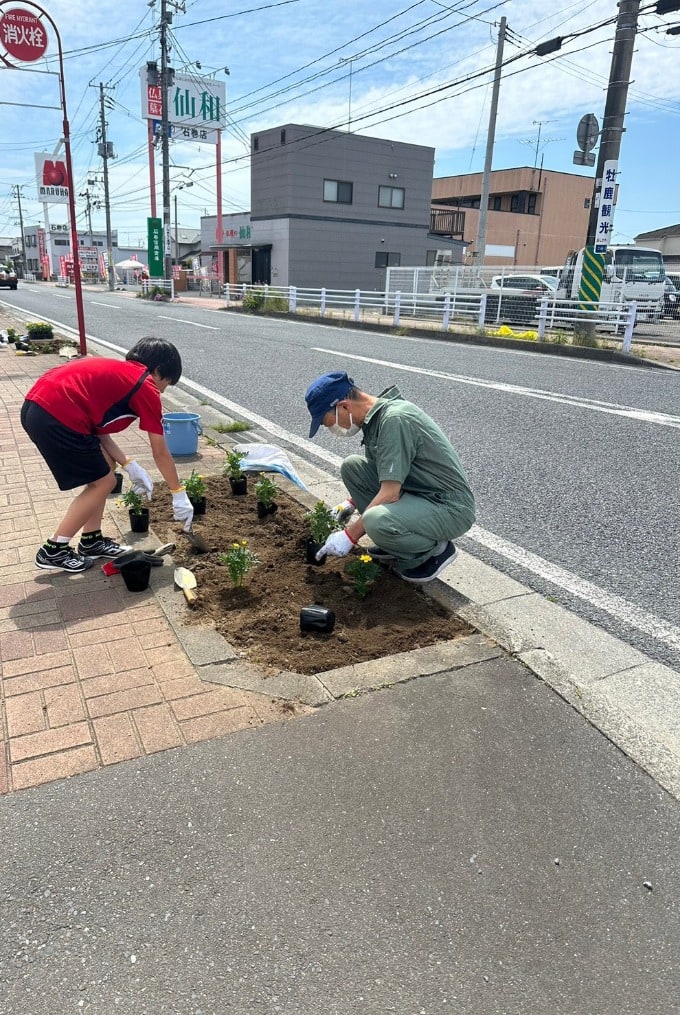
{"x":91,"y":674}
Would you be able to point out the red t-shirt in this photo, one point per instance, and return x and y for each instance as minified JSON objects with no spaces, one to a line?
{"x":92,"y":396}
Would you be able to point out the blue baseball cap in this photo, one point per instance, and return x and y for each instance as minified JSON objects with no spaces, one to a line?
{"x":324,"y":393}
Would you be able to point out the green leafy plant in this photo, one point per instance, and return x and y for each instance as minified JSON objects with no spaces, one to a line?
{"x":239,"y":559}
{"x":194,"y":486}
{"x":39,"y":330}
{"x":134,"y":502}
{"x":12,"y":335}
{"x":321,"y":522}
{"x":266,"y":490}
{"x":236,"y":427}
{"x":257,"y":300}
{"x":363,"y":571}
{"x":232,"y":466}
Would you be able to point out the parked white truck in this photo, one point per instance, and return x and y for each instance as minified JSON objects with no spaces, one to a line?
{"x":630,"y":273}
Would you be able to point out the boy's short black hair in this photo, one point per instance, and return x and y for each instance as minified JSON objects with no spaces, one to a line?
{"x":158,"y":354}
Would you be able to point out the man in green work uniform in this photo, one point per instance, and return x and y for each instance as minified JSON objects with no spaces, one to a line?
{"x":410,"y":489}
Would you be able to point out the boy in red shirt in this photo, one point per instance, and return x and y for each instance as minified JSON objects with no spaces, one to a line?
{"x":70,"y":414}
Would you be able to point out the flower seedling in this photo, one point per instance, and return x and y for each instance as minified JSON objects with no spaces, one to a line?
{"x":134,"y":502}
{"x":321,"y":522}
{"x":39,"y":330}
{"x":232,"y":466}
{"x":239,"y":559}
{"x":266,"y":490}
{"x":363,"y":570}
{"x":194,"y":486}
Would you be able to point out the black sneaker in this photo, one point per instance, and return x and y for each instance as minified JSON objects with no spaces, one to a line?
{"x":64,"y":558}
{"x":432,"y":567}
{"x":379,"y":555}
{"x":102,"y":547}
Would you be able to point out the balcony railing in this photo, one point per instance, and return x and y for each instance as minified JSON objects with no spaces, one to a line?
{"x":447,"y":223}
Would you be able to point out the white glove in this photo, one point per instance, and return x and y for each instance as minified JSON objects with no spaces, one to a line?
{"x":182,"y":509}
{"x":140,"y":479}
{"x":343,"y":512}
{"x":338,"y":544}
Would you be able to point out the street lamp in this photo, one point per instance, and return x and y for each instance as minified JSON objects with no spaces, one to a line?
{"x":180,"y":186}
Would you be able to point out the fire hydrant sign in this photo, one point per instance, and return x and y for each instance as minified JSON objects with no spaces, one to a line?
{"x":22,"y":35}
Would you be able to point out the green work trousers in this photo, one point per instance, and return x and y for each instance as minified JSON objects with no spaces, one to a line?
{"x":410,"y":528}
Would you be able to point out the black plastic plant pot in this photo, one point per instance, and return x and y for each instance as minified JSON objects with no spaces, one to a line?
{"x":266,"y":509}
{"x":239,"y":487}
{"x":136,"y":575}
{"x":119,"y":482}
{"x":139,"y":522}
{"x":311,"y":550}
{"x":317,"y":618}
{"x":199,"y":506}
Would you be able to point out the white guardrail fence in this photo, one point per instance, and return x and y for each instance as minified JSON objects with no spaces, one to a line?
{"x":544,"y":316}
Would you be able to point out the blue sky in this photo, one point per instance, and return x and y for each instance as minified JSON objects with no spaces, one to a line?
{"x":292,"y":61}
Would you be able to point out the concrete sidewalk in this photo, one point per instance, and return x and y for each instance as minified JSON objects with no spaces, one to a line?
{"x":93,"y":675}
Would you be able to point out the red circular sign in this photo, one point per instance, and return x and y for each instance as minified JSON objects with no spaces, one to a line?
{"x":22,"y":35}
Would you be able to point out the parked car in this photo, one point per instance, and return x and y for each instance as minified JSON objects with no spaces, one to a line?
{"x":671,"y":296}
{"x":8,"y":277}
{"x":526,"y":283}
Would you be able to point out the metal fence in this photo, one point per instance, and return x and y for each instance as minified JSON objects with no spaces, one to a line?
{"x":491,"y":311}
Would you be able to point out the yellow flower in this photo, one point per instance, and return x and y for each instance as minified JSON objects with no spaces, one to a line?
{"x":235,"y":545}
{"x":366,"y":557}
{"x":244,"y":542}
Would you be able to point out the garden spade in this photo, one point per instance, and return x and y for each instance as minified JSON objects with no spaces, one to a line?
{"x":198,"y":542}
{"x":186,"y":580}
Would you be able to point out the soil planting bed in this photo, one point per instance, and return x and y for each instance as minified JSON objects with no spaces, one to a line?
{"x":261,"y":619}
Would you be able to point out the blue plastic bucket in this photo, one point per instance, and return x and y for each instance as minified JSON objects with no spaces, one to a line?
{"x":181,"y":431}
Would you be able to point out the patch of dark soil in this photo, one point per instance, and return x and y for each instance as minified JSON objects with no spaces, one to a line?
{"x":262,"y":617}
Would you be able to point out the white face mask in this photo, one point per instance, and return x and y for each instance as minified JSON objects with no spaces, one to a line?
{"x":344,"y":431}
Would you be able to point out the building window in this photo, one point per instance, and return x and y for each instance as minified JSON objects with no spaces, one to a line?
{"x":391,"y":197}
{"x":60,"y":243}
{"x":385,"y":259}
{"x":531,"y":205}
{"x":518,"y":202}
{"x":256,"y":143}
{"x":338,"y":191}
{"x":497,"y":200}
{"x":283,"y":137}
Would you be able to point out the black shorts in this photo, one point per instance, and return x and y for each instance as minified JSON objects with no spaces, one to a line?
{"x":74,"y":459}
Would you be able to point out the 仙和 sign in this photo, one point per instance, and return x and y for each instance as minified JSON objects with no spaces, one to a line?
{"x":192,"y":102}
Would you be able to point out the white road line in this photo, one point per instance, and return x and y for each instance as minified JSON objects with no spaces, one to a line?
{"x":60,"y":297}
{"x":193,"y":323}
{"x":642,"y":415}
{"x":607,"y":602}
{"x":109,"y":306}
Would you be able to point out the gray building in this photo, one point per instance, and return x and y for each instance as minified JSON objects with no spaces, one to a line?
{"x":330,"y":208}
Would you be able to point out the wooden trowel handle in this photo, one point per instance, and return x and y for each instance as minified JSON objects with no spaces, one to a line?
{"x":190,"y":595}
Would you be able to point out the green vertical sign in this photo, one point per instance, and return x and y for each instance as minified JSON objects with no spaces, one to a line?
{"x":155,"y":236}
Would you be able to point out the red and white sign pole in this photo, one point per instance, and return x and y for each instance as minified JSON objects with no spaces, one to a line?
{"x":23,"y":38}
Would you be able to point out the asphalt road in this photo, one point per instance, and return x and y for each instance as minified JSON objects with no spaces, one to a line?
{"x":574,"y":463}
{"x":461,"y":844}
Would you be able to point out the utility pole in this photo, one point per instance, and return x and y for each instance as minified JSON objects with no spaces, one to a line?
{"x":480,"y":242}
{"x":17,"y":193}
{"x":106,"y":154}
{"x":88,"y":212}
{"x":615,"y":105}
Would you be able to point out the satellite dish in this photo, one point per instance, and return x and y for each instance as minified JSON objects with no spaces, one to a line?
{"x":587,"y":132}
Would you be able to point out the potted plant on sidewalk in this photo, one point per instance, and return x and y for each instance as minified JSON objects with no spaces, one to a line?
{"x":265,"y":492}
{"x":139,"y":515}
{"x":321,"y":522}
{"x":195,"y":491}
{"x":237,"y":478}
